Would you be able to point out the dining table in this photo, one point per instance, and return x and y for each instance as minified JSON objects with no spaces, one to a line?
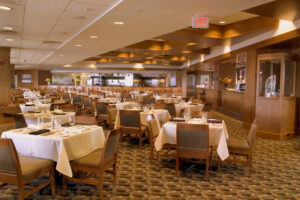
{"x":35,"y":106}
{"x":188,"y":107}
{"x":61,"y":145}
{"x":217,"y":135}
{"x":33,"y":117}
{"x":160,"y":115}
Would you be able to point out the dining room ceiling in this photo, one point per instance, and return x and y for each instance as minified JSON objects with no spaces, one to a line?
{"x":49,"y":33}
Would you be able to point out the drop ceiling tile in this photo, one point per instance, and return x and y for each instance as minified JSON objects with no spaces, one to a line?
{"x":50,"y":4}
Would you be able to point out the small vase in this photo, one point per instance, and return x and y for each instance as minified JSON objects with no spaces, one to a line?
{"x":48,"y":82}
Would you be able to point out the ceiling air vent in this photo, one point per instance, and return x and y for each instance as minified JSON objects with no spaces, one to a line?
{"x":51,"y":42}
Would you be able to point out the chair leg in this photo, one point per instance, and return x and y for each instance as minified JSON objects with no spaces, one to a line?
{"x":151,"y":155}
{"x":219,"y":162}
{"x":115,"y":173}
{"x":21,"y":191}
{"x":177,"y":165}
{"x":141,"y":141}
{"x":207,"y":168}
{"x":53,"y":181}
{"x":250,"y":162}
{"x":64,"y":185}
{"x":101,"y":185}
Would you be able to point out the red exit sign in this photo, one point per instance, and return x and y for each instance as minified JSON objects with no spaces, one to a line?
{"x":199,"y":21}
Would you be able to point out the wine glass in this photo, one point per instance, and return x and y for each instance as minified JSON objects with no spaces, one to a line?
{"x":72,"y":120}
{"x":40,"y":121}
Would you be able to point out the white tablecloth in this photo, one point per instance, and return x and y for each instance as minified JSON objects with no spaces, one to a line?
{"x":64,"y":145}
{"x":36,"y":107}
{"x":126,"y":105}
{"x":217,"y":137}
{"x":188,"y":108}
{"x":32,"y":118}
{"x":159,"y":114}
{"x":169,"y":99}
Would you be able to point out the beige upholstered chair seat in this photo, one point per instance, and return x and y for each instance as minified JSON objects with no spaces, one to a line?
{"x":31,"y":166}
{"x":91,"y":160}
{"x":238,"y":144}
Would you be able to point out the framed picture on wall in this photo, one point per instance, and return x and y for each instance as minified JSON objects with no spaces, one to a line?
{"x":26,"y":78}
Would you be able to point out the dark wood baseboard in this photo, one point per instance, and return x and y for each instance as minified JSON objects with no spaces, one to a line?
{"x":274,"y":136}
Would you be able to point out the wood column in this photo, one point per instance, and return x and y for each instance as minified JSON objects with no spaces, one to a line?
{"x":181,"y":81}
{"x":6,"y":76}
{"x":250,"y":92}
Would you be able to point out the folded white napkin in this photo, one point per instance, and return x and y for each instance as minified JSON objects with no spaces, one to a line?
{"x":73,"y":130}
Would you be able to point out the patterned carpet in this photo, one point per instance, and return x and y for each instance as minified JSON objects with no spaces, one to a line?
{"x":276,"y":175}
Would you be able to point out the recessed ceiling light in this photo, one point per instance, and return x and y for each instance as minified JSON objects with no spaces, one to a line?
{"x":222,"y":22}
{"x":118,"y":23}
{"x":92,"y":66}
{"x":61,"y":55}
{"x":186,"y":52}
{"x":67,"y":65}
{"x":190,"y":43}
{"x":7,"y":28}
{"x":94,"y":36}
{"x":78,"y":45}
{"x":5,"y":8}
{"x":9,"y":39}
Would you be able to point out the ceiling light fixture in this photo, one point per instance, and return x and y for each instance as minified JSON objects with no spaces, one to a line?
{"x":5,"y":8}
{"x":186,"y":52}
{"x":78,"y":45}
{"x":222,"y":22}
{"x":7,"y":28}
{"x":61,"y":55}
{"x":67,"y":65}
{"x":190,"y":43}
{"x":93,"y":36}
{"x":118,"y":23}
{"x":9,"y":39}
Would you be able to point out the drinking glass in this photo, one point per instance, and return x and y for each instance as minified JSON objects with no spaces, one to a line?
{"x":72,"y":120}
{"x":40,"y":121}
{"x":57,"y":123}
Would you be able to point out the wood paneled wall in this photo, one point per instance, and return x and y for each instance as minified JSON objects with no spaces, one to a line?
{"x":227,"y":69}
{"x":34,"y":74}
{"x":250,"y":92}
{"x":6,"y":76}
{"x":42,"y":75}
{"x":298,"y":98}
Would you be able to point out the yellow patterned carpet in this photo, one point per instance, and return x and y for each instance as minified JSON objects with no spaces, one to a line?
{"x":276,"y":175}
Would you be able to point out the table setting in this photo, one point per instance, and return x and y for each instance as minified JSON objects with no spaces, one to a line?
{"x":217,"y":133}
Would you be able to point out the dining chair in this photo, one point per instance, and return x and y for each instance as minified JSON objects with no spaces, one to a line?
{"x":112,"y":115}
{"x":19,"y":170}
{"x":19,"y":119}
{"x":97,"y":162}
{"x":102,"y":115}
{"x":77,"y":101}
{"x":243,"y":147}
{"x":65,"y":96}
{"x":192,"y":142}
{"x":12,"y":108}
{"x":87,"y":107}
{"x":154,"y":129}
{"x":159,"y":106}
{"x":171,"y":108}
{"x":85,"y":120}
{"x":186,"y":99}
{"x":197,"y":101}
{"x":131,"y":122}
{"x":160,"y":101}
{"x":68,"y":108}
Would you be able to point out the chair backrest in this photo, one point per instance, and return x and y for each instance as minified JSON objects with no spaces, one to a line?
{"x":159,"y":106}
{"x":252,"y":134}
{"x":65,"y":96}
{"x":192,"y":137}
{"x":68,"y":108}
{"x":19,"y":119}
{"x":87,"y":103}
{"x":85,"y":120}
{"x":153,"y":126}
{"x":101,"y":108}
{"x":186,"y":99}
{"x":160,"y":101}
{"x":171,"y":108}
{"x":197,"y":101}
{"x":9,"y":160}
{"x":77,"y":99}
{"x":111,"y":144}
{"x":112,"y":113}
{"x":12,"y":108}
{"x":150,"y":100}
{"x":130,"y":118}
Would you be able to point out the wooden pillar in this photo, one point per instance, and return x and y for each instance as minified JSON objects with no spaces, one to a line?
{"x":181,"y":81}
{"x":250,"y":92}
{"x":6,"y":76}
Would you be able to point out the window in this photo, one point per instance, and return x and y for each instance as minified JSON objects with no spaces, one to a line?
{"x":26,"y":78}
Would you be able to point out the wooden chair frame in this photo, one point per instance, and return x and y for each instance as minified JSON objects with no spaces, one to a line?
{"x":104,"y":166}
{"x":18,"y":180}
{"x":189,"y":153}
